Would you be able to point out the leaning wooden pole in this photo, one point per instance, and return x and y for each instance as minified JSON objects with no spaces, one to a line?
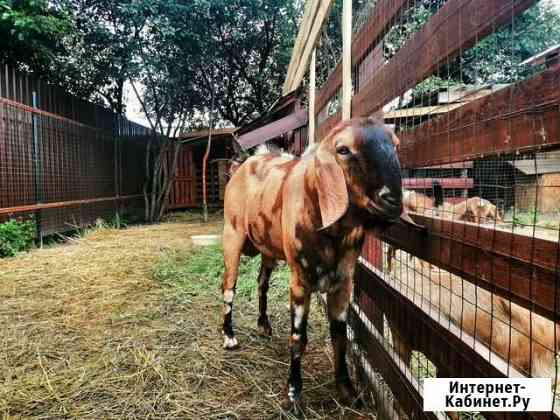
{"x":312,"y":90}
{"x":205,"y":163}
{"x":346,"y":59}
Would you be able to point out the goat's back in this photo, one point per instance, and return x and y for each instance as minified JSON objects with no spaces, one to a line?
{"x":253,"y":200}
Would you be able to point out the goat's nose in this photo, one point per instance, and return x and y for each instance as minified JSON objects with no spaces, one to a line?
{"x":389,"y":197}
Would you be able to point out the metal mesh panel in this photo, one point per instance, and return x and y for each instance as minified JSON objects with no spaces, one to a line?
{"x":64,"y":161}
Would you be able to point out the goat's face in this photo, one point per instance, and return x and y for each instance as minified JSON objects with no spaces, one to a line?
{"x":357,"y":164}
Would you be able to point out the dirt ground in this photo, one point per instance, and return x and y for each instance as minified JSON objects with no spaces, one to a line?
{"x":88,"y":331}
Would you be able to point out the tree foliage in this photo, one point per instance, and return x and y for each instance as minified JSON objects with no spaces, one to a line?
{"x":31,"y":32}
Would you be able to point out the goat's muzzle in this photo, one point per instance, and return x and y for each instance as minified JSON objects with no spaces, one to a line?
{"x":386,"y":205}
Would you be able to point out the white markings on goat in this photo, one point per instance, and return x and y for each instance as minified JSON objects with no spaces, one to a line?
{"x":262,"y":150}
{"x":228,"y":295}
{"x":342,"y":316}
{"x":227,"y":308}
{"x":298,"y":316}
{"x":296,"y":337}
{"x":292,"y":393}
{"x":230,"y":342}
{"x":383,"y":191}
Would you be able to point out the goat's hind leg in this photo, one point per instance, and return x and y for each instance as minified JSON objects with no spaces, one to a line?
{"x":263,"y":323}
{"x":233,"y":244}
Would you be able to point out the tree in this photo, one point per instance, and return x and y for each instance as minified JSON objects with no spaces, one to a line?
{"x":244,"y":46}
{"x":31,"y":33}
{"x":169,"y":100}
{"x":494,"y":59}
{"x":101,"y":48}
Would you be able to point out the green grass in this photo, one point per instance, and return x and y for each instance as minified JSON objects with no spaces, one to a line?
{"x":199,"y":270}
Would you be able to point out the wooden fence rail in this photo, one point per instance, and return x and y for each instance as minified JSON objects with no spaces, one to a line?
{"x":516,"y":266}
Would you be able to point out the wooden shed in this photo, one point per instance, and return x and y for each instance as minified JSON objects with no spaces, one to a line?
{"x":187,"y":188}
{"x":538,"y":183}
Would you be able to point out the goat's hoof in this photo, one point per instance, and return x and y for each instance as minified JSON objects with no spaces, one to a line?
{"x":294,"y":407}
{"x":230,"y":343}
{"x":348,"y":395}
{"x":264,"y":329}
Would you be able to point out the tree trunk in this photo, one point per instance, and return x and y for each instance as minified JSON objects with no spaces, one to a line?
{"x":205,"y":163}
{"x":169,"y":181}
{"x":147,"y":181}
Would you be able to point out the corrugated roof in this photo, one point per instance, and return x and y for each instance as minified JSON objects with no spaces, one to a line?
{"x":205,"y":132}
{"x":538,"y":167}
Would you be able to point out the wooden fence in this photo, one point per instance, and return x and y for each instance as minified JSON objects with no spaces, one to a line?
{"x":466,"y":297}
{"x":65,"y":162}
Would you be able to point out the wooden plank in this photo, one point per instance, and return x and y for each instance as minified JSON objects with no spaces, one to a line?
{"x":310,"y":11}
{"x":273,"y":129}
{"x":521,"y":117}
{"x":327,"y":125}
{"x":458,"y":165}
{"x":420,"y":111}
{"x":517,"y":267}
{"x":378,"y":23}
{"x":457,"y":26}
{"x":450,"y":350}
{"x":311,"y":41}
{"x":346,"y":59}
{"x":446,"y":183}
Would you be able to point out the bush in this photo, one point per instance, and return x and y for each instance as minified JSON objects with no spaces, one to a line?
{"x":16,"y":236}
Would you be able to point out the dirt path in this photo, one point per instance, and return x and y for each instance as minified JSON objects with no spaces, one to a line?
{"x":86,"y":332}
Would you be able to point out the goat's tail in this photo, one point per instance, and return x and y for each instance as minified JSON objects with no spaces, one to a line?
{"x":239,"y":156}
{"x":438,"y":194}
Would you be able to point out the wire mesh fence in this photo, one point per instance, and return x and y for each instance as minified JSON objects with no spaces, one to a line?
{"x":65,"y":162}
{"x":472,"y":89}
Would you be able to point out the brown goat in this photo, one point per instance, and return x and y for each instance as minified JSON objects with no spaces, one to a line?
{"x":474,"y":209}
{"x":311,"y":212}
{"x":527,"y":340}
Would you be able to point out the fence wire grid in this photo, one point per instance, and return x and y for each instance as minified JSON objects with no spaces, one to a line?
{"x":65,"y":162}
{"x":472,"y":89}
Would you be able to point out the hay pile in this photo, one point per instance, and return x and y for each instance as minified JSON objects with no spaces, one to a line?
{"x":125,"y":324}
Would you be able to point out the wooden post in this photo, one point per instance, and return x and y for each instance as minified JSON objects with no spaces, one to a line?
{"x":346,"y":59}
{"x":312,"y":88}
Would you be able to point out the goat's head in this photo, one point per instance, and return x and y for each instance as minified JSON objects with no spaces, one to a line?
{"x":357,"y":164}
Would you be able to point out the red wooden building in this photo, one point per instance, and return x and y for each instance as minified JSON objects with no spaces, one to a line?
{"x":187,"y":189}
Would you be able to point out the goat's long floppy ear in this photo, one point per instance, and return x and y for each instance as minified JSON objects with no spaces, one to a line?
{"x":331,"y":188}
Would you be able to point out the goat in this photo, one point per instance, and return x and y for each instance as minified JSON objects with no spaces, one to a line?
{"x":527,"y":340}
{"x":311,"y":212}
{"x":474,"y":209}
{"x":417,"y":203}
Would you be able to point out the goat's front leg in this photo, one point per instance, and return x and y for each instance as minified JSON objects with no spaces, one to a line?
{"x":233,"y":242}
{"x":299,"y":310}
{"x":337,"y":307}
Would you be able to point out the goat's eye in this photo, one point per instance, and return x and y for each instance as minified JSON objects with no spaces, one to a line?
{"x":343,"y":150}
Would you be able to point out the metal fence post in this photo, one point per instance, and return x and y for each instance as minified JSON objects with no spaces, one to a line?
{"x":37,"y":168}
{"x":116,"y":132}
